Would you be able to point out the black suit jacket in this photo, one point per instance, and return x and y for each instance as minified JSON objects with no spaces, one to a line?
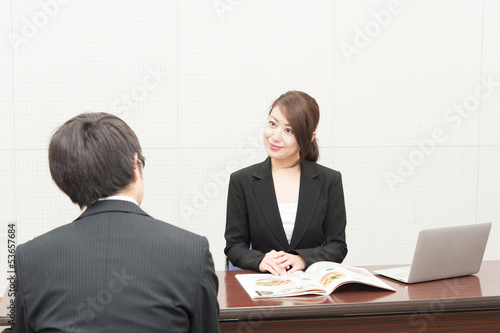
{"x":253,"y":216}
{"x":116,"y":269}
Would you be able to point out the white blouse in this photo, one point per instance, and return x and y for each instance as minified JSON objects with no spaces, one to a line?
{"x":288,"y":213}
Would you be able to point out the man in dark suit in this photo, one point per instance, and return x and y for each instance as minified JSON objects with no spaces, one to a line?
{"x":115,"y":268}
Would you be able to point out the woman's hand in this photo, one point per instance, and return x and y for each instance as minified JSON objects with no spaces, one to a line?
{"x":292,"y":262}
{"x":270,"y":263}
{"x":281,"y":263}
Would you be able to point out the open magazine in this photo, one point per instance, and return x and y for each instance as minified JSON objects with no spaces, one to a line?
{"x":321,"y":278}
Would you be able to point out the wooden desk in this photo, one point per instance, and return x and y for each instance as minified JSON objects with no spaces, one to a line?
{"x":465,"y":304}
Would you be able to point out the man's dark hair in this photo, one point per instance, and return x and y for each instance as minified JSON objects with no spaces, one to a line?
{"x":91,"y":156}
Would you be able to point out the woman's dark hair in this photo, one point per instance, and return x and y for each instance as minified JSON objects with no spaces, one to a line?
{"x":91,"y":156}
{"x":302,"y":113}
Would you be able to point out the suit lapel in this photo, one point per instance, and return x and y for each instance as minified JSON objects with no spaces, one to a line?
{"x":264,"y":191}
{"x":308,"y":198}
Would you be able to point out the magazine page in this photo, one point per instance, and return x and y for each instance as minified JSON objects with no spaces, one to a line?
{"x":331,"y":275}
{"x":268,"y":285}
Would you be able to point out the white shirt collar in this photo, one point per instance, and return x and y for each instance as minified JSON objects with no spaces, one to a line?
{"x":120,"y":197}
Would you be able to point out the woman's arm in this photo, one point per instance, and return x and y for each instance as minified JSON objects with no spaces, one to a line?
{"x":333,"y":244}
{"x":237,"y":232}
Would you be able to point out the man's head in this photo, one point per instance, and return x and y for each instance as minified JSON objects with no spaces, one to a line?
{"x":93,"y":156}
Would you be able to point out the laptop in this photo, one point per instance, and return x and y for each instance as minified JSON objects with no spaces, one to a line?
{"x":444,"y":253}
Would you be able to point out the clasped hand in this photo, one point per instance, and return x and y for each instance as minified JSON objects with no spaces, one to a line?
{"x":281,"y":263}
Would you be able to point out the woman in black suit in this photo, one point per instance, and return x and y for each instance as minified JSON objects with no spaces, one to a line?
{"x":287,"y":212}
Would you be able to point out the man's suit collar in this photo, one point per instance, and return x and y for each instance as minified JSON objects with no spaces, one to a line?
{"x":106,"y":206}
{"x":308,"y":197}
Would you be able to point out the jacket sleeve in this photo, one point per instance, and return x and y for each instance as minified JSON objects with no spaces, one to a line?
{"x":206,"y":313}
{"x":333,"y":246}
{"x":237,"y":232}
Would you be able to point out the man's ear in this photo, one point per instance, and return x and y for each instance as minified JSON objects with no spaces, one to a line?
{"x":136,"y":167}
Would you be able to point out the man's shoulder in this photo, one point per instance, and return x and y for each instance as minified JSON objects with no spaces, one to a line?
{"x":140,"y":227}
{"x":177,"y":231}
{"x":33,"y":247}
{"x":47,"y":236}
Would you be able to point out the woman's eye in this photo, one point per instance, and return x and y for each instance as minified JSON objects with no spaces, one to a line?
{"x":288,"y":130}
{"x":272,"y":123}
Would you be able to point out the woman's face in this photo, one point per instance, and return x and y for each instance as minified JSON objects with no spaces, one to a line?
{"x":279,"y":139}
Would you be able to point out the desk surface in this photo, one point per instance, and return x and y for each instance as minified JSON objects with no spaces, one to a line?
{"x":454,"y":299}
{"x":474,"y":292}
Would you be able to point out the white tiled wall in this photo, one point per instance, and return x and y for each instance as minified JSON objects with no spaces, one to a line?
{"x":195,"y":80}
{"x":6,"y":112}
{"x":383,"y":223}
